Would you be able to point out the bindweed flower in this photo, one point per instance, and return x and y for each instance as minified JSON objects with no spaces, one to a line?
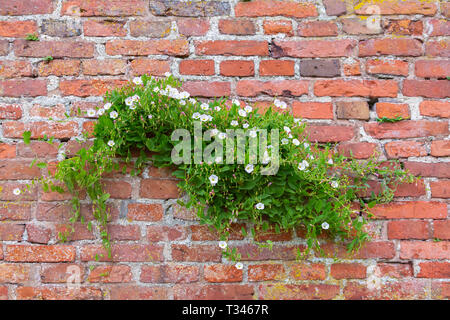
{"x":242,"y":113}
{"x":249,"y":168}
{"x":222,"y":135}
{"x":204,"y":106}
{"x":330,"y":161}
{"x":182,"y":102}
{"x":113,"y":115}
{"x":325,"y":225}
{"x":167,"y":74}
{"x":138,"y":81}
{"x":236,"y":102}
{"x":213,"y":179}
{"x":204,"y":118}
{"x":284,"y":141}
{"x":16,"y":191}
{"x":280,"y":104}
{"x":196,"y":115}
{"x":248,"y":109}
{"x":259,"y":206}
{"x":287,"y":129}
{"x":217,"y":108}
{"x":296,"y":142}
{"x":234,"y":123}
{"x":334,"y":184}
{"x":239,"y":265}
{"x":252,"y":133}
{"x":111,"y":143}
{"x":303,"y":165}
{"x":218,"y":160}
{"x":155,"y":89}
{"x":150,"y":116}
{"x":100,"y":112}
{"x":214,"y":132}
{"x":192,"y":100}
{"x":223,"y":245}
{"x":245,"y":125}
{"x":107,"y":106}
{"x":91,"y":113}
{"x":306,"y":145}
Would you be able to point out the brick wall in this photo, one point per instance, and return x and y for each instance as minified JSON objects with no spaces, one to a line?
{"x":321,"y":57}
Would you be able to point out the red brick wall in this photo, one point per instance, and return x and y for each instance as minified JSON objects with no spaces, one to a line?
{"x":318,"y":56}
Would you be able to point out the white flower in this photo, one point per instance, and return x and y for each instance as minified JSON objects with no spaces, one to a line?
{"x":183,"y":102}
{"x":280,"y":104}
{"x":287,"y":129}
{"x":306,"y":145}
{"x":234,"y":123}
{"x":236,"y":102}
{"x":248,"y":109}
{"x":334,"y":184}
{"x":91,"y":113}
{"x":100,"y":112}
{"x":214,"y":132}
{"x":204,"y":106}
{"x":222,"y":135}
{"x":196,"y":115}
{"x":295,"y":142}
{"x":222,"y":244}
{"x":213,"y":179}
{"x":184,"y":95}
{"x":290,"y":136}
{"x":16,"y":191}
{"x":113,"y":115}
{"x":242,"y":113}
{"x":245,"y":125}
{"x":218,"y":159}
{"x":325,"y":226}
{"x":155,"y":89}
{"x":129,"y":101}
{"x":330,"y":161}
{"x":111,"y":143}
{"x":252,"y":133}
{"x":239,"y":265}
{"x":138,"y":81}
{"x":107,"y":106}
{"x":204,"y":117}
{"x":249,"y":168}
{"x":284,"y":141}
{"x":259,"y":206}
{"x":303,"y":165}
{"x":167,"y":74}
{"x":150,"y":116}
{"x":217,"y":108}
{"x":192,"y":100}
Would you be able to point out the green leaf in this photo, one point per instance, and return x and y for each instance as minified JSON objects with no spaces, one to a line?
{"x":26,"y":137}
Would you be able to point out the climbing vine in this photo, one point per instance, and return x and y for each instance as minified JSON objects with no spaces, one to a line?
{"x":313,"y":187}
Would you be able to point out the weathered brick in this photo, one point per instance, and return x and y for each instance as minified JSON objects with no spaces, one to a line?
{"x":435,"y":109}
{"x":275,"y":8}
{"x":115,"y":8}
{"x":335,"y":7}
{"x":17,"y":29}
{"x":7,"y":151}
{"x":442,"y":227}
{"x":404,"y":7}
{"x":330,"y":133}
{"x":358,"y":150}
{"x":252,"y":88}
{"x":40,"y":253}
{"x":145,"y":212}
{"x":237,"y":68}
{"x":395,"y":270}
{"x":17,"y":170}
{"x":405,"y":149}
{"x":4,"y":47}
{"x":14,"y":273}
{"x":354,"y":88}
{"x":278,"y":26}
{"x":404,"y":229}
{"x":110,"y":274}
{"x":197,"y":67}
{"x":432,"y":68}
{"x":317,"y":29}
{"x":424,"y":250}
{"x":27,"y":7}
{"x":312,"y":110}
{"x":348,"y":271}
{"x":426,"y":88}
{"x":437,"y":27}
{"x":58,"y":293}
{"x":10,"y":111}
{"x":438,"y":48}
{"x":157,"y":233}
{"x":170,"y":273}
{"x":308,"y":271}
{"x":440,"y":189}
{"x":123,"y":252}
{"x":178,"y":47}
{"x":352,"y":110}
{"x":406,"y":129}
{"x":213,"y":292}
{"x":150,"y":28}
{"x":104,"y":67}
{"x":399,"y":290}
{"x":320,"y":68}
{"x":403,"y":27}
{"x":232,"y":48}
{"x":105,"y":28}
{"x":359,"y":26}
{"x":312,"y":48}
{"x":159,"y":189}
{"x":59,"y":273}
{"x":56,"y":112}
{"x":26,"y":88}
{"x":438,"y":170}
{"x":200,"y":253}
{"x":392,"y":110}
{"x":192,"y":27}
{"x":276,"y":68}
{"x":38,"y":234}
{"x":86,"y":88}
{"x":40,"y":128}
{"x":396,"y":47}
{"x":11,"y":232}
{"x":149,"y":66}
{"x":391,"y":67}
{"x":236,"y":27}
{"x":266,"y":272}
{"x":55,"y":49}
{"x":133,"y":292}
{"x":298,"y":291}
{"x":222,"y":273}
{"x":434,"y":269}
{"x":60,"y":28}
{"x":59,"y":68}
{"x":207,"y":88}
{"x":411,"y":210}
{"x":190,"y":9}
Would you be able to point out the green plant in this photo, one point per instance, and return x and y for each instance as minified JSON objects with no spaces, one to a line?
{"x":48,"y":58}
{"x":31,"y":37}
{"x":385,"y":119}
{"x":314,"y":188}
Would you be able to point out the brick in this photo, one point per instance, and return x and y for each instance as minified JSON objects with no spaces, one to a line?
{"x":415,"y":189}
{"x":320,"y":68}
{"x":348,"y":271}
{"x":278,"y":26}
{"x":440,"y":189}
{"x":411,"y":210}
{"x":260,"y":8}
{"x":40,"y":128}
{"x":197,"y":67}
{"x":105,"y":28}
{"x":399,"y":8}
{"x":10,"y":111}
{"x":26,"y":88}
{"x":434,"y":270}
{"x":237,"y":68}
{"x":252,"y":88}
{"x":133,"y":292}
{"x":59,"y":68}
{"x":59,"y":273}
{"x":276,"y":68}
{"x":190,"y":9}
{"x":266,"y":272}
{"x":157,"y":233}
{"x":159,"y":189}
{"x":60,"y":28}
{"x":398,"y":290}
{"x":358,"y":150}
{"x":38,"y":253}
{"x":27,"y":7}
{"x":14,"y":273}
{"x":394,"y":270}
{"x":391,"y":67}
{"x":17,"y":29}
{"x":124,"y":252}
{"x":312,"y":110}
{"x":144,"y":212}
{"x":178,"y":47}
{"x":424,"y":250}
{"x":435,"y":109}
{"x":272,"y":235}
{"x":38,"y":234}
{"x":4,"y":47}
{"x":440,"y":290}
{"x":352,"y":68}
{"x":236,"y":27}
{"x":404,"y":229}
{"x":251,"y":252}
{"x":192,"y":27}
{"x":438,"y":170}
{"x":149,"y":67}
{"x":122,"y":233}
{"x":86,"y":88}
{"x":405,"y":149}
{"x":403,"y":27}
{"x":330,"y":133}
{"x":335,"y":7}
{"x":427,"y":88}
{"x":150,"y":28}
{"x":392,"y":110}
{"x":312,"y":48}
{"x":117,"y":189}
{"x":55,"y":49}
{"x":183,"y":213}
{"x":369,"y":250}
{"x":437,"y":27}
{"x":7,"y":151}
{"x":3,"y":293}
{"x":104,"y":67}
{"x":222,"y":273}
{"x":406,"y":129}
{"x":396,"y":47}
{"x":114,"y":8}
{"x":207,"y":89}
{"x":56,"y":112}
{"x":352,"y":110}
{"x":11,"y":232}
{"x":432,"y":68}
{"x":308,"y":271}
{"x":317,"y":29}
{"x":298,"y":291}
{"x":437,"y":48}
{"x":232,"y":48}
{"x":213,"y":292}
{"x":22,"y":209}
{"x":441,"y":227}
{"x":15,"y":69}
{"x":110,"y":274}
{"x":170,"y":273}
{"x":358,"y":26}
{"x":445,"y":9}
{"x":200,"y":253}
{"x":354,"y":88}
{"x":17,"y":170}
{"x":58,"y":293}
{"x":208,"y":233}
